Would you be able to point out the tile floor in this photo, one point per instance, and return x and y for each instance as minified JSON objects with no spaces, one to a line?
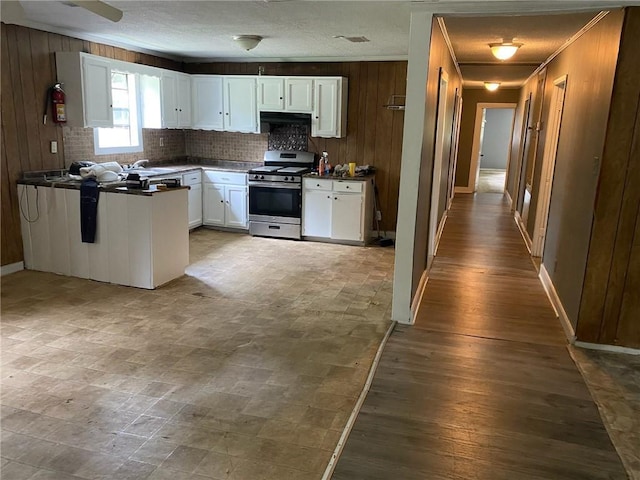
{"x":246,"y":368}
{"x":614,"y":382}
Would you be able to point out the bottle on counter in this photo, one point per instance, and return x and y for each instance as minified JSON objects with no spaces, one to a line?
{"x":321,"y":166}
{"x":327,"y":165}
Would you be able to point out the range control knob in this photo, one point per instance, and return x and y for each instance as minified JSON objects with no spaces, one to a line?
{"x":255,"y":177}
{"x":261,"y":177}
{"x":286,"y":178}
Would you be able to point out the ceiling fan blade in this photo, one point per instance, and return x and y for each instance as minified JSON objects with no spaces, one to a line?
{"x":12,"y":12}
{"x":99,"y":8}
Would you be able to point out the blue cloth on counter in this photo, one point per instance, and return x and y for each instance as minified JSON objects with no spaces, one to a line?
{"x":89,"y":209}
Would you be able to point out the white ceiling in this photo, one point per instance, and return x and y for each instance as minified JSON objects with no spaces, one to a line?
{"x":296,"y":30}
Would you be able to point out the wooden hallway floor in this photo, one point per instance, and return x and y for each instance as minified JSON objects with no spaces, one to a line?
{"x":482,"y":386}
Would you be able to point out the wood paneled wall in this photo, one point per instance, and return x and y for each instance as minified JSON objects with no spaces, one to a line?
{"x":610,"y":306}
{"x":28,"y":70}
{"x":374,"y":134}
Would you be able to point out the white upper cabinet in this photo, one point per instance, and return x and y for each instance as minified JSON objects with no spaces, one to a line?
{"x":285,"y":94}
{"x":330,"y":107}
{"x":299,"y":94}
{"x":176,"y":99}
{"x":240,"y":105}
{"x":86,"y":81}
{"x":271,"y":94}
{"x":207,"y":104}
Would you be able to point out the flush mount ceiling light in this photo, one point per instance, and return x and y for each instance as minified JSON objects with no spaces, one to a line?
{"x":353,"y":39}
{"x":504,"y":50}
{"x":491,"y":86}
{"x":247,"y":42}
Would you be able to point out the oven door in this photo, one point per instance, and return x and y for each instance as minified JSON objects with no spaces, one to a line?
{"x":275,"y":202}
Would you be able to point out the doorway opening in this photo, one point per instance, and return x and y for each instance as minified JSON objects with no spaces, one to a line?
{"x":491,"y":151}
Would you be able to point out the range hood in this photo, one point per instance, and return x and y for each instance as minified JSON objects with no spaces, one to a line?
{"x":274,"y":119}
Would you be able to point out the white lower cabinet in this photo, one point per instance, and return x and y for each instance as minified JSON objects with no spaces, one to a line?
{"x":194,"y":181}
{"x":225,"y":199}
{"x":339,"y":210}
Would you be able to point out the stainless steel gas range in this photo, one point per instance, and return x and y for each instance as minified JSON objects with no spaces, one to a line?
{"x":275,"y":194}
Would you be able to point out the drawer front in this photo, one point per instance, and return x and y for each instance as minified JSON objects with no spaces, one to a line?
{"x":192,"y":178}
{"x":342,"y":186}
{"x":317,"y":184}
{"x":217,"y":176}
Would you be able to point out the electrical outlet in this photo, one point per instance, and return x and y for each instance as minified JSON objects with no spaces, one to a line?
{"x":54,"y":146}
{"x":378,"y":215}
{"x":161,"y":141}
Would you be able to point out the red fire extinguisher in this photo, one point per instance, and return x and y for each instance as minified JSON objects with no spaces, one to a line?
{"x":58,"y":108}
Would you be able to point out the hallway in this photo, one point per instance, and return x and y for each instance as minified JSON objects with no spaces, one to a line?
{"x":482,"y":386}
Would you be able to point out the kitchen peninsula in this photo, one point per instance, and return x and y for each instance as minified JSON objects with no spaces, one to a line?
{"x":142,"y":237}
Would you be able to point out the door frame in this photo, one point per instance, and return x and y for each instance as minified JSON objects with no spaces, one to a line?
{"x":554,"y":121}
{"x":474,"y":164}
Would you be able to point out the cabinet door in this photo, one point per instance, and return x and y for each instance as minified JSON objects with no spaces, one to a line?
{"x":325,"y":113}
{"x":213,"y":203}
{"x":97,"y":93}
{"x":299,"y":94}
{"x":346,"y":217}
{"x":195,"y":205}
{"x":169,"y":87}
{"x":240,"y":112}
{"x":183,"y":99}
{"x":236,"y":206}
{"x":207,"y":104}
{"x":271,"y":93}
{"x":316,"y":213}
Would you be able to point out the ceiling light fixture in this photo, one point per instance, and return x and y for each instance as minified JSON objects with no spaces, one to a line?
{"x":247,"y":42}
{"x":504,"y":50}
{"x":491,"y":86}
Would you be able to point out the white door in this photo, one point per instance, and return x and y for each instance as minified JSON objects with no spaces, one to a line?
{"x":325,"y":113}
{"x":240,"y":113}
{"x":346,"y":217}
{"x":548,"y":165}
{"x":184,"y":100}
{"x":207,"y":107}
{"x":96,"y":84}
{"x":236,"y":206}
{"x":213,"y":203}
{"x":168,"y":87}
{"x":195,"y":205}
{"x":299,"y":94}
{"x":316,"y":213}
{"x":271,"y":93}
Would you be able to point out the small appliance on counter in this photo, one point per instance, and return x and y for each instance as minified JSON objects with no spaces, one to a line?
{"x":135,"y":182}
{"x":275,"y":194}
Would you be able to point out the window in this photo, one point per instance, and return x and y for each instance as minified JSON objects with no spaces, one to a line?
{"x":126,"y":134}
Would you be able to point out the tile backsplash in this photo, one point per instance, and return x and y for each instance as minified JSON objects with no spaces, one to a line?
{"x":78,"y":145}
{"x":240,"y":147}
{"x":289,"y":137}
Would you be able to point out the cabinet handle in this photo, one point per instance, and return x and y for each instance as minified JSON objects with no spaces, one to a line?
{"x":317,"y":118}
{"x":335,"y":198}
{"x":347,"y":186}
{"x":221,"y":201}
{"x":219,"y":113}
{"x":280,"y":98}
{"x":317,"y":185}
{"x":227,"y":113}
{"x":328,"y":196}
{"x":176,"y":109}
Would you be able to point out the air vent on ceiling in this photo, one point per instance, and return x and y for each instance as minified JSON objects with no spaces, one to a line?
{"x":353,"y":39}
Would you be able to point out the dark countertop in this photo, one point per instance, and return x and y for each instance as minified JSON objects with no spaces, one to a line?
{"x":331,"y":177}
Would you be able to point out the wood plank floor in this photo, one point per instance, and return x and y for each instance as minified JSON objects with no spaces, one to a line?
{"x":482,"y":386}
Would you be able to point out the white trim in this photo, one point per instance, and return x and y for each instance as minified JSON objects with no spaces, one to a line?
{"x":356,"y":409}
{"x":592,"y":23}
{"x":523,"y":230}
{"x":474,"y":164}
{"x":443,"y":220}
{"x":607,"y":348}
{"x":411,"y":164}
{"x":509,"y":199}
{"x":417,"y":299}
{"x":463,"y":190}
{"x":447,"y":40}
{"x":550,"y":290}
{"x":549,"y":156}
{"x":11,"y":268}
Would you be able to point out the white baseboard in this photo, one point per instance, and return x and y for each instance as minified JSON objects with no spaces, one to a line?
{"x":11,"y":268}
{"x":547,"y":284}
{"x":607,"y":348}
{"x":463,"y":190}
{"x":508,"y":195}
{"x":443,"y":220}
{"x":523,"y":231}
{"x":417,"y":298}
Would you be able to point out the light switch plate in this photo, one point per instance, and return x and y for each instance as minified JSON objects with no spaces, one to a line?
{"x":54,"y":146}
